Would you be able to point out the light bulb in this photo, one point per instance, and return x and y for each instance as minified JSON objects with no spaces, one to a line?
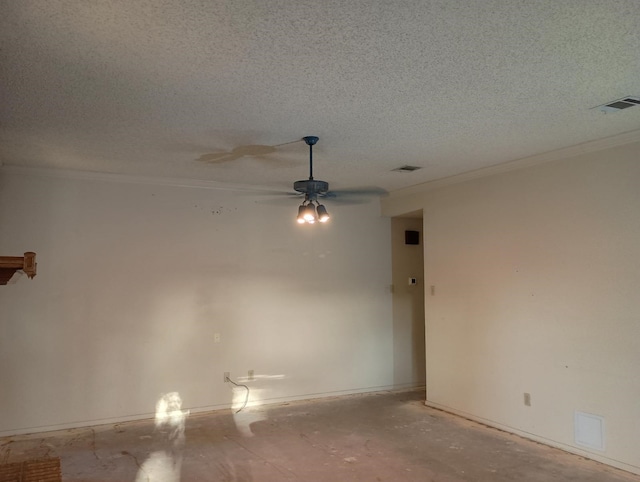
{"x":310,"y":213}
{"x":300,"y":219}
{"x":323,"y":215}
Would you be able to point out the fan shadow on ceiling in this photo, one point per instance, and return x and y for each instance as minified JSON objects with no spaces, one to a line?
{"x":272,"y":155}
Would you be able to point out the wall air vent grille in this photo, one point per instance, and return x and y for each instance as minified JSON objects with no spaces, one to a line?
{"x":618,"y":105}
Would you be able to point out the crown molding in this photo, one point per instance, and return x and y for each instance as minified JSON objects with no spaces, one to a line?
{"x":125,"y":178}
{"x":566,"y":152}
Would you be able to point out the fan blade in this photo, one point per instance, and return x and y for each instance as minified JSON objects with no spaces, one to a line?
{"x":273,"y":197}
{"x":292,"y":200}
{"x":338,"y":196}
{"x":358,"y":195}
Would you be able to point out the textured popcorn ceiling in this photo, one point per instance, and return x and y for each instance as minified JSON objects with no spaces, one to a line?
{"x":171,"y":88}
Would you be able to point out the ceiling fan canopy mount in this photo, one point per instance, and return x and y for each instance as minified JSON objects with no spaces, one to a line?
{"x":311,"y":140}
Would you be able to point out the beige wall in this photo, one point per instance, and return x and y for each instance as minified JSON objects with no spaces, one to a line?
{"x":135,"y":279}
{"x":537,"y":275}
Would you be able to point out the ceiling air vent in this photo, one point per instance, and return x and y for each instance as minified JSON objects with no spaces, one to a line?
{"x":406,"y":169}
{"x":618,"y":105}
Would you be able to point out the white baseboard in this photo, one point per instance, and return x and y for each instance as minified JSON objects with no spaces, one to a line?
{"x":536,"y":438}
{"x":208,"y":408}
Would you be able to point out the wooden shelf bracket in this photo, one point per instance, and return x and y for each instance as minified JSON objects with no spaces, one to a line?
{"x":10,"y":264}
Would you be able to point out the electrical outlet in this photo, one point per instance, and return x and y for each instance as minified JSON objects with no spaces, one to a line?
{"x":250,"y":375}
{"x":527,"y":399}
{"x":227,"y":375}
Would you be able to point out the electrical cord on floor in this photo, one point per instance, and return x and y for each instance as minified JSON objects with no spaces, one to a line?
{"x":246,"y":399}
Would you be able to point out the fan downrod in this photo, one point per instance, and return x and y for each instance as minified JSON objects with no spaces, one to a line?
{"x":311,"y":188}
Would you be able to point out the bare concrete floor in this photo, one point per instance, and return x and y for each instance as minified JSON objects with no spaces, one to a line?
{"x":385,"y":436}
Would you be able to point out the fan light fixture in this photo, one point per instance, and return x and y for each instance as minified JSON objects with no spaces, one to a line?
{"x":310,"y":213}
{"x":311,"y":210}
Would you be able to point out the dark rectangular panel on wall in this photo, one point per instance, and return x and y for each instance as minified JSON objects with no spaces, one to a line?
{"x":412,"y":237}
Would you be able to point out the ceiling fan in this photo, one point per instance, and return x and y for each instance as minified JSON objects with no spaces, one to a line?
{"x":311,"y":211}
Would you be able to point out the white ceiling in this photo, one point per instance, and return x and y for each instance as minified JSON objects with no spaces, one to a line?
{"x":150,"y":87}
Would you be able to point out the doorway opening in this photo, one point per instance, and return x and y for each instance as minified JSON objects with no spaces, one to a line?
{"x":407,"y":244}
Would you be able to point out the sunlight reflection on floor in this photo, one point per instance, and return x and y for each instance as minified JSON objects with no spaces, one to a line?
{"x":165,"y":462}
